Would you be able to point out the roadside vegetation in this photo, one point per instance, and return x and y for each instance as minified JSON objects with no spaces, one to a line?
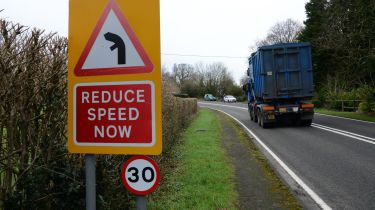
{"x":200,"y":175}
{"x":342,"y":35}
{"x":200,"y":79}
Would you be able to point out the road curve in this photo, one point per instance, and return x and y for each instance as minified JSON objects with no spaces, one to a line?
{"x":335,"y":157}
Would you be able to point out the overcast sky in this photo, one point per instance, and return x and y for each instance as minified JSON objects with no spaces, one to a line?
{"x":188,"y":27}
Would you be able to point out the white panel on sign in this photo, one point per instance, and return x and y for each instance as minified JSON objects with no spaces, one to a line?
{"x":112,"y":48}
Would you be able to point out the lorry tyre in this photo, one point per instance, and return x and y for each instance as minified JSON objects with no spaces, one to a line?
{"x":259,"y":118}
{"x":263,"y":124}
{"x":251,"y":116}
{"x":255,"y":116}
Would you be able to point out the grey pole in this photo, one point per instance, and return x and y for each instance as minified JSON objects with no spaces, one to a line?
{"x":141,"y":203}
{"x":90,"y":182}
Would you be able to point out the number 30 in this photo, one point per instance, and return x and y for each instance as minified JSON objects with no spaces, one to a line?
{"x":134,"y":171}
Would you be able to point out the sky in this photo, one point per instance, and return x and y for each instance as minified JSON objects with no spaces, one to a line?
{"x":222,"y":28}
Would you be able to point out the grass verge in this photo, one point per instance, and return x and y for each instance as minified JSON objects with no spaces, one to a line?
{"x":350,"y":115}
{"x":200,"y":175}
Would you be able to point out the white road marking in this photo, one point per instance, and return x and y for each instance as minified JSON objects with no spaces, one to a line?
{"x":244,"y":108}
{"x":346,"y":133}
{"x":345,"y":118}
{"x":293,"y":175}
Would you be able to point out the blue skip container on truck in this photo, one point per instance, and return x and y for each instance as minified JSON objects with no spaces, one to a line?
{"x":281,"y":84}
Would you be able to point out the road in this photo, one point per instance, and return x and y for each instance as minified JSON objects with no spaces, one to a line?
{"x":333,"y":160}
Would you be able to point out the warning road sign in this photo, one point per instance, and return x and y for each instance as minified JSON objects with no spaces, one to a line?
{"x":113,"y":47}
{"x":114,"y":77}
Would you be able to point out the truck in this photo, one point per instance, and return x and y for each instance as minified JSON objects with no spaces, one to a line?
{"x":280,"y":86}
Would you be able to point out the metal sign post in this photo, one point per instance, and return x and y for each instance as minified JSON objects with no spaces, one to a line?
{"x":90,"y":170}
{"x":141,"y":203}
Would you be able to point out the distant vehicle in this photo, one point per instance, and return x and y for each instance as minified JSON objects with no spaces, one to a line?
{"x":229,"y":98}
{"x":209,"y":97}
{"x":281,"y":84}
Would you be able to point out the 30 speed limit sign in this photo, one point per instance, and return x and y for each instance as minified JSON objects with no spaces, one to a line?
{"x":140,"y":175}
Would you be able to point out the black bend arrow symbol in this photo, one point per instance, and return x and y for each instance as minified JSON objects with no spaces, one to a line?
{"x":119,"y":44}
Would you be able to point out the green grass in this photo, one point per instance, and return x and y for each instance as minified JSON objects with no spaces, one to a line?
{"x":202,"y":177}
{"x":351,"y":115}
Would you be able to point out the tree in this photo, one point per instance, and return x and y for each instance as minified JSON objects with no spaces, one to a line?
{"x":343,"y":40}
{"x":182,"y":72}
{"x":200,"y":79}
{"x":244,"y":79}
{"x":315,"y":12}
{"x":313,"y":32}
{"x":282,"y":32}
{"x":169,"y":82}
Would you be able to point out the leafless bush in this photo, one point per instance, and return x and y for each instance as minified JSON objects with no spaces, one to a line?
{"x":33,"y":70}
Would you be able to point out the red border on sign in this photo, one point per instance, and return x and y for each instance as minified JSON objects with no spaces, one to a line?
{"x":123,"y":177}
{"x":148,"y":66}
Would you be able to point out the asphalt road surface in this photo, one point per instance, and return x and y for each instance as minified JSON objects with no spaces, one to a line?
{"x":332,"y":162}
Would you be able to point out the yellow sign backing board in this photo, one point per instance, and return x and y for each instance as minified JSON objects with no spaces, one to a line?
{"x":114,"y":77}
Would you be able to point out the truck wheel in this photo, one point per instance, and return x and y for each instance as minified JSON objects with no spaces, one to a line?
{"x":255,"y":115}
{"x":263,"y":124}
{"x":259,"y":119}
{"x":251,"y":116}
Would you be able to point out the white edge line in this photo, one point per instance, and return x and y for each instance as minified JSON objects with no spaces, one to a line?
{"x":308,"y":190}
{"x":344,"y":118}
{"x":344,"y":134}
{"x":223,"y":105}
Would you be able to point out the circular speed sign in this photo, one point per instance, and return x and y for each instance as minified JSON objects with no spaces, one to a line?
{"x":140,"y":175}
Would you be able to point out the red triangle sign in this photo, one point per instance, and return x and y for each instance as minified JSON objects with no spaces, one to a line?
{"x":113,"y":47}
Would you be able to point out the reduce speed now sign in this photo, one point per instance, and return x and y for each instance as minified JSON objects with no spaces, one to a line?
{"x":140,"y":175}
{"x":114,"y":77}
